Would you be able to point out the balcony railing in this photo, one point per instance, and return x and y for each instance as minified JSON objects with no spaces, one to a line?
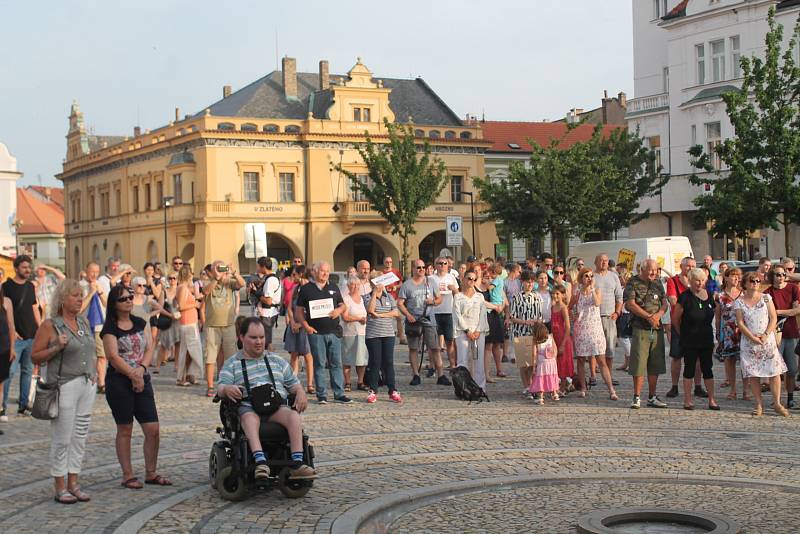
{"x":648,"y":104}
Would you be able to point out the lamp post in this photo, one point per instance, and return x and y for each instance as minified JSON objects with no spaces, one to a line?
{"x":472,"y":218}
{"x":168,"y":202}
{"x":17,"y":224}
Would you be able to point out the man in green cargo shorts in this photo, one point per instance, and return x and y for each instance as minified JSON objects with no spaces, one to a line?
{"x":645,"y":298}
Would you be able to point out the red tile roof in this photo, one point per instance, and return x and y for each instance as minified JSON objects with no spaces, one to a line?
{"x":502,"y":134}
{"x":56,"y":194}
{"x":677,"y":11}
{"x":39,"y":216}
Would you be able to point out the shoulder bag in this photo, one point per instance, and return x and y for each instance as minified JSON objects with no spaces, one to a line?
{"x":265,"y":398}
{"x":45,"y":404}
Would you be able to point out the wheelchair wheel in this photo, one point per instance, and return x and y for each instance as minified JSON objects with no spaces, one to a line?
{"x":231,"y":488}
{"x":293,"y":488}
{"x":217,"y":461}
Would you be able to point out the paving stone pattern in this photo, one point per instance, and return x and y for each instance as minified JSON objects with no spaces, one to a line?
{"x":376,"y":462}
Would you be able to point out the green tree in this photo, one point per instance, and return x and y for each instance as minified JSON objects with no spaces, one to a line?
{"x":762,"y":161}
{"x":404,"y":179}
{"x":628,"y":173}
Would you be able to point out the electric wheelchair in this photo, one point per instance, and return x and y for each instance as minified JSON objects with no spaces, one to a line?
{"x":231,"y":469}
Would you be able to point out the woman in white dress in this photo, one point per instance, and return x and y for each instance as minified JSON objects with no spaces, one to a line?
{"x":759,"y":356}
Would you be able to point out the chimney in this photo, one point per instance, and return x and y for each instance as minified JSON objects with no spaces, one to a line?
{"x":226,"y":91}
{"x":324,"y":77}
{"x":289,"y":71}
{"x":177,"y":114}
{"x":605,"y":94}
{"x":623,"y":99}
{"x":137,"y":131}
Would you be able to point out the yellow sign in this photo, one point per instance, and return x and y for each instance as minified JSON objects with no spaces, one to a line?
{"x":660,"y":261}
{"x":626,"y":257}
{"x":676,"y":262}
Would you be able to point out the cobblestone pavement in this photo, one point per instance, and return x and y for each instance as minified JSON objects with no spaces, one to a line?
{"x":432,"y":464}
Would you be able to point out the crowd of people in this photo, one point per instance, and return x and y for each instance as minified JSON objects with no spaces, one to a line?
{"x":559,"y":325}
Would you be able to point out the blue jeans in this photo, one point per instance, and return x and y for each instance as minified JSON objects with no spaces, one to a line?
{"x":23,"y":361}
{"x":327,"y":351}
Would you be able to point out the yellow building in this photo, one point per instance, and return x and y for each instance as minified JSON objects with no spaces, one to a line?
{"x":265,"y":154}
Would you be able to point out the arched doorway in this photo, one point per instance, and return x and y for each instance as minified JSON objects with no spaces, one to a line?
{"x":278,"y":247}
{"x":359,"y":247}
{"x":434,"y":242}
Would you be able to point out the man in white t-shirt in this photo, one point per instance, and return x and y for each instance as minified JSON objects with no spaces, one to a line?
{"x":267,"y":292}
{"x":448,"y":286}
{"x":110,"y":277}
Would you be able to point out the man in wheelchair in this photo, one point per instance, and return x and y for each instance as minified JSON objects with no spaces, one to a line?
{"x":251,"y":368}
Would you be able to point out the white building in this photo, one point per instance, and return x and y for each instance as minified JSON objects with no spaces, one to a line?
{"x":686,"y":54}
{"x":8,"y":201}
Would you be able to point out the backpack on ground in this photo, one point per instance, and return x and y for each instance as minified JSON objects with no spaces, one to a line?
{"x":465,"y":386}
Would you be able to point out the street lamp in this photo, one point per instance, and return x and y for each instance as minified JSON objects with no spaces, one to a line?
{"x":472,"y":218}
{"x":168,"y":202}
{"x":17,"y":224}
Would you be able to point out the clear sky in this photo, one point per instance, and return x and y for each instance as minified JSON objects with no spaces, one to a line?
{"x":134,"y":62}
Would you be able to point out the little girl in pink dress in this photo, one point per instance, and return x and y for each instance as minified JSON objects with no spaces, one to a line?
{"x":545,"y":379}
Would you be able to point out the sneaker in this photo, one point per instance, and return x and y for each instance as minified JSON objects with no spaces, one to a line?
{"x":636,"y":403}
{"x":262,"y":471}
{"x":395,"y":396}
{"x":614,"y":382}
{"x":673,"y":392}
{"x":700,"y":392}
{"x":504,"y":359}
{"x":791,"y":404}
{"x":443,"y":381}
{"x":372,"y":397}
{"x":415,"y":381}
{"x":322,"y":401}
{"x":592,"y":381}
{"x":540,"y":401}
{"x":303,"y":471}
{"x":344,"y":400}
{"x":22,"y":412}
{"x":513,"y":360}
{"x":3,"y":416}
{"x":655,"y":402}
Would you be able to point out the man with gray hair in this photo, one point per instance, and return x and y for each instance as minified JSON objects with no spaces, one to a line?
{"x":319,"y":305}
{"x":645,"y":298}
{"x":362,"y":273}
{"x":607,"y":281}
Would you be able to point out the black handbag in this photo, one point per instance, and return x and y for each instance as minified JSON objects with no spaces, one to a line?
{"x":265,"y":398}
{"x":163,"y":322}
{"x":45,"y":403}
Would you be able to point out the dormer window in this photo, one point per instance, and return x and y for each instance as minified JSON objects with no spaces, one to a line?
{"x":361,"y":114}
{"x":513,"y":146}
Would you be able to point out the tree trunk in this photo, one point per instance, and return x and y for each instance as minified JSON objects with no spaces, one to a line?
{"x":786,"y":240}
{"x":404,"y":260}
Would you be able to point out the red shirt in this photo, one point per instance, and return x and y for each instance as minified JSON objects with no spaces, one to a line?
{"x":394,"y":288}
{"x":674,"y":289}
{"x":288,"y":285}
{"x":783,"y":300}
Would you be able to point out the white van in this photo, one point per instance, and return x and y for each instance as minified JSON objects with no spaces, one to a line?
{"x":667,"y":251}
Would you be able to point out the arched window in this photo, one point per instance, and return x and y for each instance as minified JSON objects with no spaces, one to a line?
{"x":249,"y":127}
{"x":226,"y":126}
{"x":419,"y":133}
{"x":76,"y":262}
{"x":152,"y":251}
{"x":292,"y":128}
{"x":96,"y":253}
{"x":466,"y":135}
{"x":117,"y":250}
{"x":271,"y":128}
{"x":449,"y":134}
{"x":434,"y":134}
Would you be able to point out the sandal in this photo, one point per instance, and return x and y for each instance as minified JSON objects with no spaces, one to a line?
{"x":182,"y":383}
{"x":211,"y":392}
{"x":132,"y":483}
{"x":78,"y":494}
{"x":613,"y":396}
{"x":501,"y":374}
{"x":731,"y":396}
{"x":347,"y":388}
{"x":158,"y":480}
{"x":758,"y":410}
{"x":65,"y":497}
{"x":362,"y":387}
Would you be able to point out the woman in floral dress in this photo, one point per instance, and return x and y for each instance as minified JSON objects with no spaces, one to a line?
{"x":588,"y":337}
{"x":758,"y":355}
{"x":727,"y":331}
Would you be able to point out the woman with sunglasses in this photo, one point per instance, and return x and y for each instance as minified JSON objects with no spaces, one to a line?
{"x":759,"y":355}
{"x":471,"y":325}
{"x":588,"y":337}
{"x":786,"y":298}
{"x":559,"y":279}
{"x":191,"y":369}
{"x":727,"y":332}
{"x":129,"y":392}
{"x":168,"y":337}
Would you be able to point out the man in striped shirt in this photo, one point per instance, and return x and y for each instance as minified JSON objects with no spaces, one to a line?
{"x":231,"y":378}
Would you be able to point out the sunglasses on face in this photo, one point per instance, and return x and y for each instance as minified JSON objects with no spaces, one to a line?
{"x":470,"y":279}
{"x":172,"y":278}
{"x":441,"y":263}
{"x":589,"y":276}
{"x":754,"y":281}
{"x":125,"y":298}
{"x":780,"y":274}
{"x":558,"y":272}
{"x":419,"y":267}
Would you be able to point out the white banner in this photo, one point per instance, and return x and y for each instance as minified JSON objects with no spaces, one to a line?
{"x":255,"y":240}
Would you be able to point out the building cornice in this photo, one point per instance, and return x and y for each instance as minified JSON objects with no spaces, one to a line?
{"x":680,"y":21}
